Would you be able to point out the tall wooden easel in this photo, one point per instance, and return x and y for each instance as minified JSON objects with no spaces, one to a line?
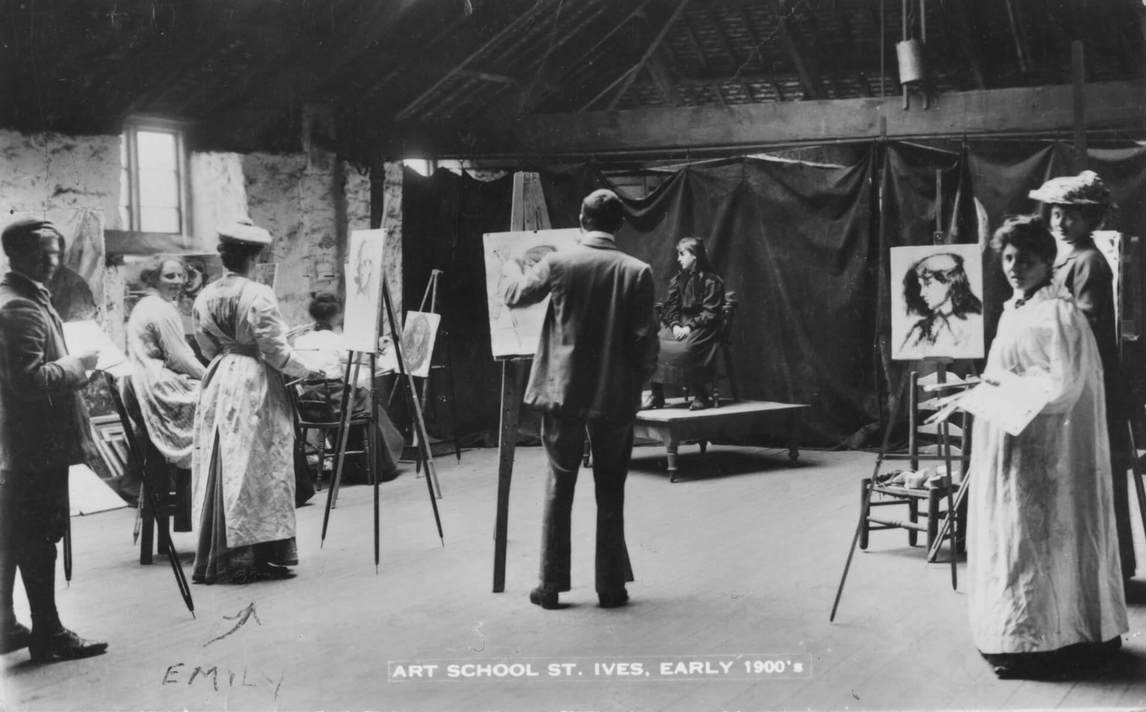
{"x":430,"y":303}
{"x":353,"y":364}
{"x":527,"y":212}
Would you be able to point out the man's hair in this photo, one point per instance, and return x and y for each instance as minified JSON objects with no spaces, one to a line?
{"x":963,"y":300}
{"x":23,"y":235}
{"x":602,"y":210}
{"x":149,"y":275}
{"x":324,"y":306}
{"x":1027,"y":233}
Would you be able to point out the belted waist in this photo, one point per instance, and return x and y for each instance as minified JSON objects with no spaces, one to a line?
{"x":251,"y":350}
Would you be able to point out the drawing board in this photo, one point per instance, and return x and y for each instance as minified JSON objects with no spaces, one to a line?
{"x":364,"y":290}
{"x":515,"y":331}
{"x":936,"y":302}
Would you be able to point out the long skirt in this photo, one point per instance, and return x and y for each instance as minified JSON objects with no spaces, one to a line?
{"x":690,"y":361}
{"x":214,"y":562}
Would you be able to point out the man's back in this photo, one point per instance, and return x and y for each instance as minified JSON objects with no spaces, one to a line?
{"x":598,"y":343}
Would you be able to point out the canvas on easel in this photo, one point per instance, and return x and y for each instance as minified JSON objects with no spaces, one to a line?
{"x":364,"y":270}
{"x":515,"y":331}
{"x":936,"y":302}
{"x":419,"y":334}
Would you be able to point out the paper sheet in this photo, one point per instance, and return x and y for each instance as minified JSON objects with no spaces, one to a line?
{"x":1011,"y":404}
{"x":87,"y":335}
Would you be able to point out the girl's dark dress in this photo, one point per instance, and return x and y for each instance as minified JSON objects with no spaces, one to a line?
{"x":695,"y":300}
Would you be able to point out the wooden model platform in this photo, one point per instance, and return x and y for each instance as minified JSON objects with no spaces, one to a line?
{"x":675,"y":424}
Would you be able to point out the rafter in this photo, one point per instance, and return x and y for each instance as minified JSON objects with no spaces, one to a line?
{"x":648,"y":53}
{"x":407,"y":111}
{"x":726,"y":42}
{"x":797,"y":52}
{"x":961,"y":24}
{"x":663,"y":79}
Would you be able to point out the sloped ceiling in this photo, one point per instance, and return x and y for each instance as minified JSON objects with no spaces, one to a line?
{"x":242,"y":71}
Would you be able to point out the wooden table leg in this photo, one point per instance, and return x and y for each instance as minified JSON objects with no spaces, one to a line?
{"x":670,"y":451}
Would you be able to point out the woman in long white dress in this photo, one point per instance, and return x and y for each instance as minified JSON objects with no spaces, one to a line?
{"x":1045,"y":587}
{"x":164,"y":371}
{"x":243,"y":463}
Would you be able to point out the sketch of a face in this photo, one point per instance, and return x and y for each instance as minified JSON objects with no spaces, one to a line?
{"x":417,"y":342}
{"x":938,"y":284}
{"x":364,"y":270}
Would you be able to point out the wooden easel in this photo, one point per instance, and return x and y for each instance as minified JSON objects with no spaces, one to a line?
{"x":527,"y":212}
{"x":430,"y":298}
{"x":353,"y":364}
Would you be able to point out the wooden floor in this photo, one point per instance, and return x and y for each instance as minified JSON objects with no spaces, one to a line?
{"x":737,"y":563}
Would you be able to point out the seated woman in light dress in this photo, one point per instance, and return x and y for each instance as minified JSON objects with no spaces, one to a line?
{"x":164,"y":370}
{"x":1045,"y":586}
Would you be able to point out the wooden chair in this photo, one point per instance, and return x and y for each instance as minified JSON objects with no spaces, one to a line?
{"x":174,"y":497}
{"x":728,"y":310}
{"x":317,"y":410}
{"x":925,"y":445}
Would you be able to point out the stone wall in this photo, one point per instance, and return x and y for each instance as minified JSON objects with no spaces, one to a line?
{"x":309,"y":202}
{"x":310,"y":208}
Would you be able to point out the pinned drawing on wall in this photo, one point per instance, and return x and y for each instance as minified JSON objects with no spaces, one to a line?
{"x":936,"y":303}
{"x":364,"y":290}
{"x":515,"y":331}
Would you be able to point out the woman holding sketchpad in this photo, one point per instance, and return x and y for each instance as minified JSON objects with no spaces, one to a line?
{"x":1045,"y":589}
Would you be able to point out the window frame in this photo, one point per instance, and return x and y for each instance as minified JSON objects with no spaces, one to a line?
{"x":131,"y":128}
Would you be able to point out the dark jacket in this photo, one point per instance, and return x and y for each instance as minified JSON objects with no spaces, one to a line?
{"x":1087,"y":276}
{"x":695,"y":300}
{"x":599,"y":338}
{"x":42,"y":423}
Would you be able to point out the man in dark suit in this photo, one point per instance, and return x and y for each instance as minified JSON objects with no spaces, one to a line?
{"x":42,"y":427}
{"x":598,"y":346}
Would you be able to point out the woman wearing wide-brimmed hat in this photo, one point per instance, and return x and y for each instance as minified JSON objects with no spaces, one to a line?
{"x":1073,"y":208}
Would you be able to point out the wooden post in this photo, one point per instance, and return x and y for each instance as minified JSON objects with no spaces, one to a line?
{"x":527,"y":212}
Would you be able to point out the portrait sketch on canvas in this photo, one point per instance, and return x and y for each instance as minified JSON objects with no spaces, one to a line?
{"x":515,"y":331}
{"x":418,"y":337}
{"x":363,"y":290}
{"x":936,"y":302}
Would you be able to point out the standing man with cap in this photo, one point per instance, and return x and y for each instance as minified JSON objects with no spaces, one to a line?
{"x":42,"y":427}
{"x":1074,"y":207}
{"x":242,"y":460}
{"x":598,"y":346}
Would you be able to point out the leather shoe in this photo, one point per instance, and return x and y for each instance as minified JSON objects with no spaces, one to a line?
{"x":14,"y":637}
{"x":63,"y":645}
{"x":699,"y":404}
{"x":544,"y":596}
{"x":612,"y":599}
{"x":652,"y":402}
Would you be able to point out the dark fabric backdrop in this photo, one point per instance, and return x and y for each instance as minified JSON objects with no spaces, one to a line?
{"x":803,"y":245}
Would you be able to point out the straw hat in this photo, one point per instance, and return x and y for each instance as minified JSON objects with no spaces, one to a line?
{"x":1086,"y":188}
{"x":244,"y":232}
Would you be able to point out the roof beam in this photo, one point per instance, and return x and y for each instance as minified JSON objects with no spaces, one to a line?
{"x":632,"y":75}
{"x":407,"y":111}
{"x":663,"y":79}
{"x":794,"y":46}
{"x":1018,"y":111}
